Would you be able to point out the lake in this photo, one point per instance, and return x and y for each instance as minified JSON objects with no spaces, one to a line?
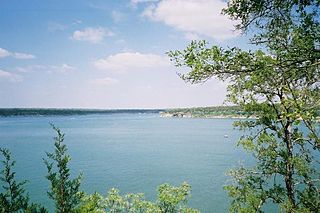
{"x":134,"y":152}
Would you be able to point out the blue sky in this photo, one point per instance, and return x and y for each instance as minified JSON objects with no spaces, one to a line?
{"x":106,"y":53}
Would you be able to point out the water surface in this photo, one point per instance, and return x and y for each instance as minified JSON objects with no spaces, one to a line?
{"x":130,"y":151}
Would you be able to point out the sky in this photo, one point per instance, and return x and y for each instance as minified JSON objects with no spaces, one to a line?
{"x":107,"y":54}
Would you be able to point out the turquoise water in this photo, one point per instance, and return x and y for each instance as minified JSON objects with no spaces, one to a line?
{"x":132,"y":152}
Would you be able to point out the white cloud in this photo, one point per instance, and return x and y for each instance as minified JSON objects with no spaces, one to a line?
{"x":63,"y":68}
{"x":103,"y":81}
{"x":4,"y":74}
{"x":142,"y":1}
{"x":120,"y":41}
{"x":131,"y":61}
{"x":202,"y":17}
{"x":77,"y":22}
{"x":31,"y":68}
{"x":5,"y":53}
{"x":93,"y":35}
{"x":192,"y":36}
{"x":117,"y":16}
{"x":23,"y":56}
{"x":10,"y":76}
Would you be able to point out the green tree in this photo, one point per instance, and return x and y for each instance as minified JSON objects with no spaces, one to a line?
{"x":170,"y":200}
{"x":65,"y":192}
{"x":93,"y":203}
{"x":13,"y":197}
{"x":173,"y":199}
{"x":279,"y":85}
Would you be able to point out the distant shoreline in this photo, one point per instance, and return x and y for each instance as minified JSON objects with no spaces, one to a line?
{"x":217,"y":112}
{"x":169,"y":115}
{"x":196,"y":112}
{"x":7,"y":112}
{"x":222,"y":112}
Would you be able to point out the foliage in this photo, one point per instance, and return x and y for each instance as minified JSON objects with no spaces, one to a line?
{"x":65,"y":192}
{"x":170,"y":200}
{"x":14,"y":197}
{"x":206,"y":112}
{"x":93,"y":203}
{"x":35,"y":208}
{"x":279,"y":84}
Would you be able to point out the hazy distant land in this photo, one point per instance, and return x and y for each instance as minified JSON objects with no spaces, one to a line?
{"x":65,"y":112}
{"x":195,"y":112}
{"x":213,"y":112}
{"x":207,"y":112}
{"x":224,"y":111}
{"x":203,"y":112}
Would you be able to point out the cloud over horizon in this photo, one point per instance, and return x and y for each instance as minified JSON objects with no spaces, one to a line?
{"x":131,"y":61}
{"x":193,"y":17}
{"x":63,"y":68}
{"x":103,"y":81}
{"x":10,"y":76}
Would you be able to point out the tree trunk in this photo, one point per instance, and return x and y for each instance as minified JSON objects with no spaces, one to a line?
{"x":289,"y":168}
